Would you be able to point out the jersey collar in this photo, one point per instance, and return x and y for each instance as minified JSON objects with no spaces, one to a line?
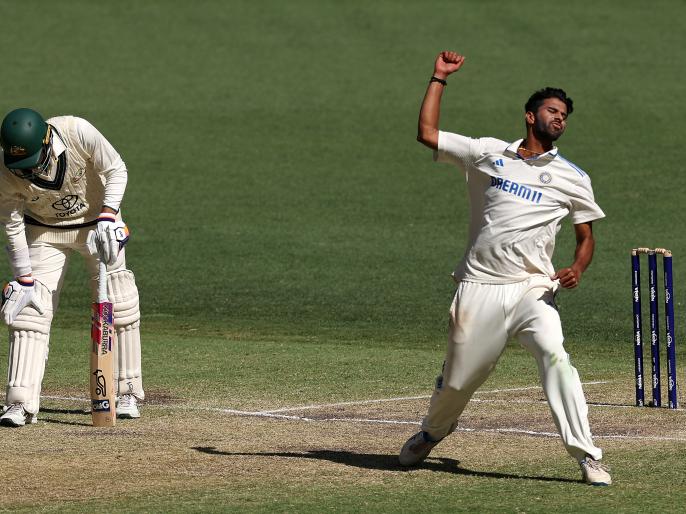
{"x":58,"y":146}
{"x":511,"y":150}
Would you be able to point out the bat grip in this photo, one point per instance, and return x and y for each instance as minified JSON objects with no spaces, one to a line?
{"x":102,"y":282}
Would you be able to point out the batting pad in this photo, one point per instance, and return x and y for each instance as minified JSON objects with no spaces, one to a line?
{"x":127,"y":358}
{"x":123,"y":294}
{"x":28,"y":354}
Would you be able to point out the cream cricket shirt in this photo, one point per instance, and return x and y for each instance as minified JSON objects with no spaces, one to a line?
{"x":516,"y":205}
{"x":86,"y":173}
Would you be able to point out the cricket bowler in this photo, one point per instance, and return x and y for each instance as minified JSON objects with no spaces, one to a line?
{"x":61,"y":181}
{"x":519,"y":193}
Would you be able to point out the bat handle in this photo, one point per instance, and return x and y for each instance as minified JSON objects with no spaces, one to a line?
{"x":102,"y":282}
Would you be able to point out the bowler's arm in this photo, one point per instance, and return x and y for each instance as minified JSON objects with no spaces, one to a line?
{"x":429,"y":114}
{"x":585,"y":245}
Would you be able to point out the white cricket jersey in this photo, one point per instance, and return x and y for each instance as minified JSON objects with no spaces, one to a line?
{"x":517,"y":206}
{"x":86,"y":173}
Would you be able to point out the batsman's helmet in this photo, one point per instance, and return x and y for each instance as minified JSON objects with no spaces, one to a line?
{"x":23,"y":135}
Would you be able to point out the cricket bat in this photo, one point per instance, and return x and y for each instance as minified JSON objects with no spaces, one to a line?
{"x":102,"y":366}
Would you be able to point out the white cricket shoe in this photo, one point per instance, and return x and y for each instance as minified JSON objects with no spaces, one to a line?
{"x":16,"y":416}
{"x":127,"y":407}
{"x":594,"y":472}
{"x":416,"y":449}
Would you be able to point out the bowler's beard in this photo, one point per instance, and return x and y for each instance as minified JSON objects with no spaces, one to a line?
{"x":545,"y":132}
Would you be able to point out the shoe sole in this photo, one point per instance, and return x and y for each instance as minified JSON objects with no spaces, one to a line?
{"x":9,"y":423}
{"x":128,"y":416}
{"x":411,"y":464}
{"x":409,"y":459}
{"x":415,"y":461}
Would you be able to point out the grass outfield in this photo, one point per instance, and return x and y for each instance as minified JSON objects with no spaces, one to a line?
{"x":292,"y":244}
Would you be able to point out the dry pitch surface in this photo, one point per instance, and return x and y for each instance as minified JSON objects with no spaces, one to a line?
{"x":178,"y":448}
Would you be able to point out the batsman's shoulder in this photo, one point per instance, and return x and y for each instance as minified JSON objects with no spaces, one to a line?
{"x":9,"y":183}
{"x":59,"y":120}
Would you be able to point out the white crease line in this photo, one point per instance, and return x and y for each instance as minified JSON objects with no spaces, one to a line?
{"x":343,"y":404}
{"x":640,"y":437}
{"x":265,"y":414}
{"x":69,"y":398}
{"x":255,"y":414}
{"x":405,"y":398}
{"x":356,"y":402}
{"x":302,"y":418}
{"x":544,"y":402}
{"x":508,"y":431}
{"x":459,"y":429}
{"x":555,"y":434}
{"x":528,"y":388}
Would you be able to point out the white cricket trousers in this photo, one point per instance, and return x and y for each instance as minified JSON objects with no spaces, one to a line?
{"x":482,"y":319}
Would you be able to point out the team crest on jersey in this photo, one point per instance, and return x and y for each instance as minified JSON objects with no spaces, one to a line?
{"x":78,"y":175}
{"x":545,"y":177}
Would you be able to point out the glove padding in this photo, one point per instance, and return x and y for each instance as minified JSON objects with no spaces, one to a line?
{"x":17,"y":295}
{"x":108,"y":238}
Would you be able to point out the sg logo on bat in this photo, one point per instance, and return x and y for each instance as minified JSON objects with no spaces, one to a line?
{"x":100,"y":405}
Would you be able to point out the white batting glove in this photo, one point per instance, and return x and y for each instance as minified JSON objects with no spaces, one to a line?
{"x":18,"y":294}
{"x":108,"y":238}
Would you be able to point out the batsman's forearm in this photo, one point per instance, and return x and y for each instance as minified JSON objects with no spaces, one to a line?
{"x":429,"y":114}
{"x":18,"y":252}
{"x":115,"y":185}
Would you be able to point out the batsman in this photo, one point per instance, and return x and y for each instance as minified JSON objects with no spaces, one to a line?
{"x":61,"y":188}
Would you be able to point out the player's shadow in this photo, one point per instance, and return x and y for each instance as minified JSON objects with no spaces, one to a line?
{"x":382,"y":462}
{"x":48,"y":411}
{"x":65,"y":411}
{"x":609,"y":404}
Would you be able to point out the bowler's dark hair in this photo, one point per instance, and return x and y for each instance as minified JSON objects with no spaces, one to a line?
{"x":536,"y":100}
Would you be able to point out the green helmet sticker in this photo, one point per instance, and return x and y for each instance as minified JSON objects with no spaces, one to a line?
{"x":22,"y":136}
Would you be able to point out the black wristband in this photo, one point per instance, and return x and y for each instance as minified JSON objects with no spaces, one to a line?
{"x":440,"y":81}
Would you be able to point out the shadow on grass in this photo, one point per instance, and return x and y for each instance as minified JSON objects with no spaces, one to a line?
{"x":48,"y":411}
{"x":66,"y":411}
{"x":382,"y":462}
{"x":610,"y":404}
{"x":62,"y":422}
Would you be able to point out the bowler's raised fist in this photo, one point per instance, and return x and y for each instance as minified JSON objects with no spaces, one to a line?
{"x":447,"y":63}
